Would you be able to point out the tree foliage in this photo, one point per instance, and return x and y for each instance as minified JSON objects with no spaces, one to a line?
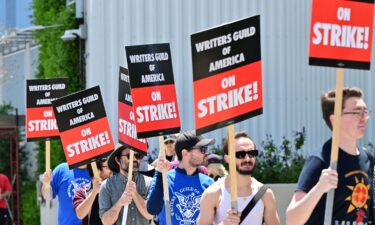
{"x":281,"y":164}
{"x":56,"y":59}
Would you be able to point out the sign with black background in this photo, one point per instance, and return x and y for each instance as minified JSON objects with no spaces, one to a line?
{"x":40,"y":119}
{"x":127,"y":132}
{"x":152,"y":89}
{"x":83,"y":125}
{"x":227,"y":74}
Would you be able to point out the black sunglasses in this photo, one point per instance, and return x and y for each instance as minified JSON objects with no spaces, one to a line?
{"x":251,"y":154}
{"x":136,"y":156}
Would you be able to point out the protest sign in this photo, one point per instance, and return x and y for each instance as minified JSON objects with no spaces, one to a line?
{"x":153,"y":90}
{"x":227,"y":59}
{"x":341,"y":33}
{"x":127,"y":130}
{"x":40,"y":119}
{"x":84,"y":129}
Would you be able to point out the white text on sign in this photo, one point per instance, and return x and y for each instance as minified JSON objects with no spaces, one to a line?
{"x":88,"y":144}
{"x":156,"y":112}
{"x":228,"y":100}
{"x":129,"y":129}
{"x":345,"y":36}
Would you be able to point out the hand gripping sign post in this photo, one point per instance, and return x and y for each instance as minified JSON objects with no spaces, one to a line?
{"x":340,"y":36}
{"x":40,"y":119}
{"x":127,"y":132}
{"x":84,"y":128}
{"x":154,"y":97}
{"x":228,"y":60}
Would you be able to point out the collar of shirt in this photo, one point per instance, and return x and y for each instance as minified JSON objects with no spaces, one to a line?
{"x":124,"y":178}
{"x":183,"y":171}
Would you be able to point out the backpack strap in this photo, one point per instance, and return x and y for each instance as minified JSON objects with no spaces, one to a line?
{"x":253,"y":202}
{"x":372,"y":180}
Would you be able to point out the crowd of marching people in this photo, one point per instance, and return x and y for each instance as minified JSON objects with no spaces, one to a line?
{"x":199,"y":185}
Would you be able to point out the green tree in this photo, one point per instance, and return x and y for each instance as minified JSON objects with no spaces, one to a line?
{"x":56,"y":59}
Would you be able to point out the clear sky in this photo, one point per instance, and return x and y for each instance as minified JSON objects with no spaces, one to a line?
{"x":23,"y":12}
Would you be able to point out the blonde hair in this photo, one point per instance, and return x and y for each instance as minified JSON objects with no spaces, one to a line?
{"x":216,"y":169}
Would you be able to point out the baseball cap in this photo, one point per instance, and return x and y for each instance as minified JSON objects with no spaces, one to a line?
{"x":189,"y":140}
{"x":213,"y":158}
{"x":169,"y":137}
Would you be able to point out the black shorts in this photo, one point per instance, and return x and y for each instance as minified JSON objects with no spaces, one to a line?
{"x":3,"y":216}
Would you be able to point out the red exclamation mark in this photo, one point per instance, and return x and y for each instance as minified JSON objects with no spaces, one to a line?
{"x":255,"y":90}
{"x":367,"y":33}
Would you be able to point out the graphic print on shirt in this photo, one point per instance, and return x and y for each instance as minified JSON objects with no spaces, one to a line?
{"x":357,"y":200}
{"x":186,"y":202}
{"x":76,"y":184}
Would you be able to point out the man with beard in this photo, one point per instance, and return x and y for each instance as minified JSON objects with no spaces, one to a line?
{"x":351,"y":180}
{"x":215,"y":202}
{"x":117,"y":192}
{"x":185,"y":183}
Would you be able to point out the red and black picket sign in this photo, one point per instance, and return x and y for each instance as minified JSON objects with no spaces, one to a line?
{"x":84,"y":129}
{"x":153,"y":90}
{"x":227,"y":59}
{"x":127,"y":131}
{"x":341,"y":33}
{"x":40,"y":119}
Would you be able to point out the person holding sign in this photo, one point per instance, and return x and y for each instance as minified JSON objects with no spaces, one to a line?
{"x":351,"y":180}
{"x":215,"y":202}
{"x":86,"y":201}
{"x":5,"y":192}
{"x":170,"y":152}
{"x":117,"y":192}
{"x":64,"y":183}
{"x":186,"y":184}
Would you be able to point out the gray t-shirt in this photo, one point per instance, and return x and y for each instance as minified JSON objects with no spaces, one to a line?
{"x":111,"y":191}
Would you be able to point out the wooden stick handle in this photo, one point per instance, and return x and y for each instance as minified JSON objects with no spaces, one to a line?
{"x":232,"y":167}
{"x":48,"y":155}
{"x":165,"y":183}
{"x":335,"y":141}
{"x":95,"y":169}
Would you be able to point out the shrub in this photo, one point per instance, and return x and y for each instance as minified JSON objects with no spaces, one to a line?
{"x":281,"y":164}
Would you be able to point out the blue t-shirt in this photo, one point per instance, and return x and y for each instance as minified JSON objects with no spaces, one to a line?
{"x":352,"y":196}
{"x":185,"y":193}
{"x":64,"y":184}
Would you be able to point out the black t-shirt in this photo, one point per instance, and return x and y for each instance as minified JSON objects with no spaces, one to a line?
{"x":351,"y":200}
{"x":94,"y":216}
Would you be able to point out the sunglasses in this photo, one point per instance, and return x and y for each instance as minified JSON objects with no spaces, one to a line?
{"x":203,"y":149}
{"x":251,"y":154}
{"x":136,"y":156}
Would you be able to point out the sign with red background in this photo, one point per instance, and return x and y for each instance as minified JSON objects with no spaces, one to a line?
{"x":227,"y":74}
{"x":40,"y":118}
{"x":127,"y":131}
{"x":153,"y":90}
{"x":341,"y":33}
{"x":84,"y":129}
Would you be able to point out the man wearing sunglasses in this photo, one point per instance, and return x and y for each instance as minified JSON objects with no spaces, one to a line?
{"x":185,"y":183}
{"x":351,"y":181}
{"x":216,"y":203}
{"x":117,"y":192}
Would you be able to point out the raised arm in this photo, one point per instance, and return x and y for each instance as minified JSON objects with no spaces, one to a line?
{"x":109,"y":214}
{"x":303,"y":204}
{"x":83,"y":204}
